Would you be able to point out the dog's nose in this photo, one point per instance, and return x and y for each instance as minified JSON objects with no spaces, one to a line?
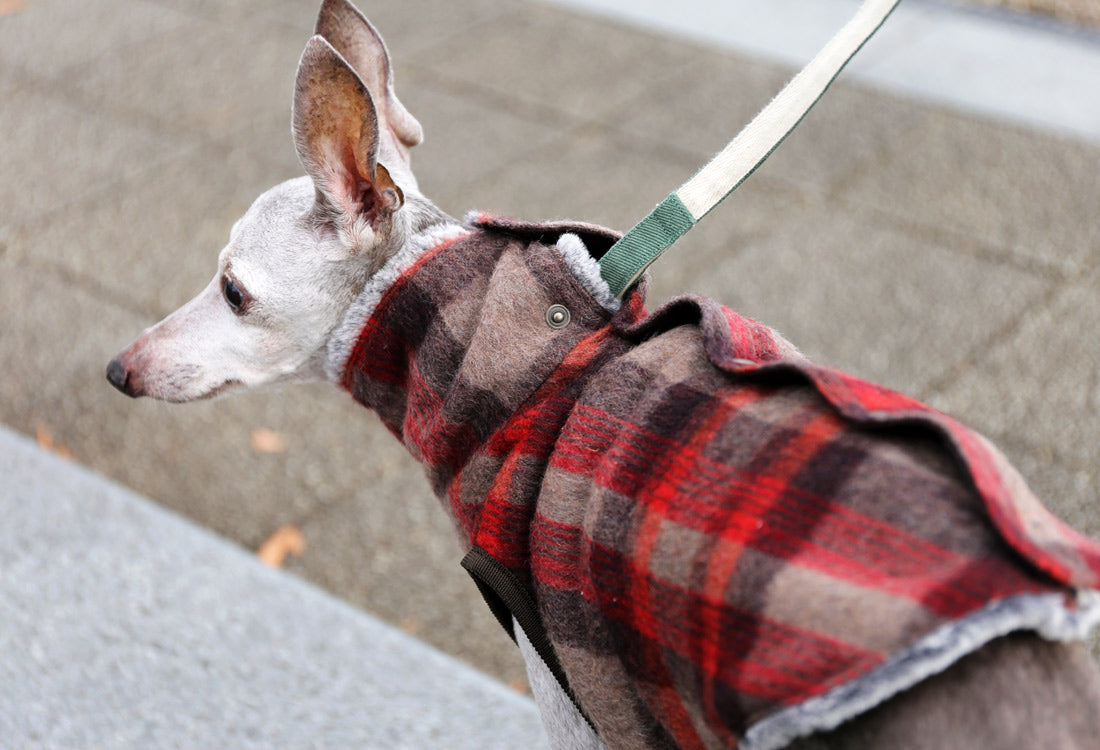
{"x":119,"y":377}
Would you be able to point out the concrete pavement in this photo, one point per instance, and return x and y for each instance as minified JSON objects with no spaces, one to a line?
{"x":125,"y":626}
{"x":1029,"y":69}
{"x":947,"y":255}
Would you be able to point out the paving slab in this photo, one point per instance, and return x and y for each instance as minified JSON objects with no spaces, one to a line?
{"x":390,"y":548}
{"x":574,"y":61}
{"x":585,"y":173}
{"x":1053,"y":364}
{"x":50,"y":37}
{"x":412,"y":27}
{"x":55,"y":151}
{"x":697,"y":112}
{"x":243,"y":95}
{"x":468,"y":135}
{"x":126,"y":626}
{"x":985,"y":181}
{"x":248,"y":14}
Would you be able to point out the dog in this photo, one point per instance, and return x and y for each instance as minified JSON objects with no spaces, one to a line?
{"x":696,"y":537}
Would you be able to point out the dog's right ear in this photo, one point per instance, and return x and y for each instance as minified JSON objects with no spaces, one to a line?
{"x":353,"y":36}
{"x":336,"y":133}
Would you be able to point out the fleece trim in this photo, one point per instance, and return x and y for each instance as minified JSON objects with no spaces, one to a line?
{"x":586,"y":269}
{"x":345,"y":335}
{"x":1045,"y":614}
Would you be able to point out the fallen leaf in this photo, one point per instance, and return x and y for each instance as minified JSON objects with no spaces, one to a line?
{"x":44,"y":435}
{"x":286,"y":541}
{"x":11,"y":6}
{"x":268,"y":441}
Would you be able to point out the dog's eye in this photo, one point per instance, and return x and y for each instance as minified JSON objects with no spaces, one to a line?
{"x":234,"y":297}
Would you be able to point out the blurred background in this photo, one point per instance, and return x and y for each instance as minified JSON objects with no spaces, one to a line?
{"x":932,"y":225}
{"x":1081,"y":11}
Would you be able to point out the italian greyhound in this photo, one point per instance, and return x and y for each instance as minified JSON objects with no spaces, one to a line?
{"x":696,"y":537}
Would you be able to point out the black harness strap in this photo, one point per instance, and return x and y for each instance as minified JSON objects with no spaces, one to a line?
{"x":511,"y":601}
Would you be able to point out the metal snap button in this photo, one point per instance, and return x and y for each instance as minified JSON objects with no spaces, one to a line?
{"x":557,"y":316}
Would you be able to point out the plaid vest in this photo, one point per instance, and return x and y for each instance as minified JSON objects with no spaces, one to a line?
{"x":721,"y":544}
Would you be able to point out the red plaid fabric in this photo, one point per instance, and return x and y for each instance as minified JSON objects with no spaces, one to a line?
{"x":717,"y":536}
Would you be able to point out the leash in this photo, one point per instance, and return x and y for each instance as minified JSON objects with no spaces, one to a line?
{"x":627,"y":259}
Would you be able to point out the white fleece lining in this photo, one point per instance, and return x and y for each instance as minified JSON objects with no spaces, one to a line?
{"x":344,"y":338}
{"x":1046,"y":614}
{"x":586,"y":269}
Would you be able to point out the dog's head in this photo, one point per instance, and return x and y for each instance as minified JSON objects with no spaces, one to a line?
{"x":304,"y":250}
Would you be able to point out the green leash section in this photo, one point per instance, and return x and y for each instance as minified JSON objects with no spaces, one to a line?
{"x":628,"y":258}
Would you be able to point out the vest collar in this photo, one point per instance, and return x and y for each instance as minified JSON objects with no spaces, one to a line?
{"x":578,"y":244}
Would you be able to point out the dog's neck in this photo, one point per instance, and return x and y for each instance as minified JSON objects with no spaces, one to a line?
{"x":452,"y":339}
{"x":346,"y":334}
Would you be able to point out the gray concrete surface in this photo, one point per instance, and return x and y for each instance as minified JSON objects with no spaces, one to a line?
{"x":946,"y":255}
{"x":125,"y":626}
{"x":996,"y":63}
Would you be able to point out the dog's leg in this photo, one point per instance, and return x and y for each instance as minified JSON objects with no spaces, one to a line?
{"x":1018,"y":693}
{"x":565,"y":726}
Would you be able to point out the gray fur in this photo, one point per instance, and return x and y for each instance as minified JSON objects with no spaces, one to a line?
{"x":564,"y":724}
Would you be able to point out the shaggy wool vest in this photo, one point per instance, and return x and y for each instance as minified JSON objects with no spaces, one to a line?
{"x":727,"y":545}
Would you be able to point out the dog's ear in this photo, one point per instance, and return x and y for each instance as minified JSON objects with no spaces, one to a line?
{"x":336,"y":135}
{"x":353,"y":36}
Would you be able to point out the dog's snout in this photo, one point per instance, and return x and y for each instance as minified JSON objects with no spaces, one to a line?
{"x":119,"y":377}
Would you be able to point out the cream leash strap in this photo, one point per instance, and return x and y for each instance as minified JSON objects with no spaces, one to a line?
{"x":627,"y":259}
